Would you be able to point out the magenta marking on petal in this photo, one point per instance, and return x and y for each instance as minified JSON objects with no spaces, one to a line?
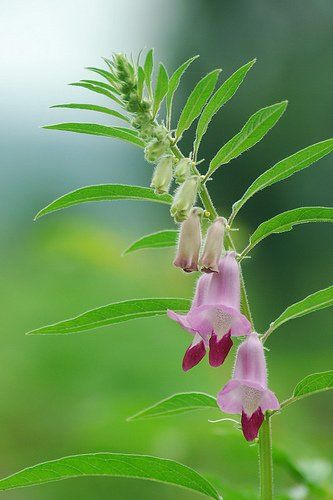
{"x":219,"y":349}
{"x":252,"y":424}
{"x":193,"y":355}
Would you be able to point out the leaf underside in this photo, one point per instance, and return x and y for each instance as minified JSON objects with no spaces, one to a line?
{"x":112,"y":314}
{"x":111,"y":465}
{"x":176,"y":404}
{"x":97,"y":129}
{"x":161,"y":239}
{"x":104,"y":192}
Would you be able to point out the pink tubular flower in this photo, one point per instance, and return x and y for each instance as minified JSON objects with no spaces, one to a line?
{"x":247,"y":393}
{"x":214,"y":315}
{"x":213,"y":246}
{"x":189,"y":242}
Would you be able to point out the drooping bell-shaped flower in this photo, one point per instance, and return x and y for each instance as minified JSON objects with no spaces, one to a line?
{"x":182,"y":170}
{"x":189,"y":242}
{"x":214,"y":316}
{"x":213,"y":246}
{"x":247,"y":392}
{"x":162,"y":176}
{"x":184,"y":198}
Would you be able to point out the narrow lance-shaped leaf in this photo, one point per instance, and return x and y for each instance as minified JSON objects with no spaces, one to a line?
{"x":98,"y":90}
{"x":148,"y":69}
{"x":196,"y":101}
{"x":221,"y":96}
{"x":161,"y":239}
{"x":161,"y":88}
{"x":106,"y":74}
{"x":111,"y":465}
{"x":103,"y":85}
{"x":104,"y":192}
{"x":174,"y":83}
{"x":177,"y":404}
{"x":141,"y":81}
{"x":93,"y":107}
{"x":97,"y":129}
{"x":286,"y":221}
{"x":112,"y":314}
{"x":315,"y":302}
{"x":253,"y":131}
{"x":285,"y":168}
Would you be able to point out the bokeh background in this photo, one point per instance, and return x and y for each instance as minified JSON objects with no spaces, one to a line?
{"x":61,"y":396}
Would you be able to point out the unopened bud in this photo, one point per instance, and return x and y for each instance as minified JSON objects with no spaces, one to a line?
{"x":182,"y":170}
{"x":185,"y":198}
{"x":162,"y":176}
{"x":189,"y":242}
{"x":209,"y":262}
{"x":155,"y":149}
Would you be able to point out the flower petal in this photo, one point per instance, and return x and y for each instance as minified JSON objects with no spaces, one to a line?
{"x":194,"y":353}
{"x":219,"y":349}
{"x":182,"y":320}
{"x":251,"y":425}
{"x":230,"y":398}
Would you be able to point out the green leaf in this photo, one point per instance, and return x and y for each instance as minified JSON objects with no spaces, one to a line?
{"x":253,"y":131}
{"x":97,"y":129}
{"x":148,"y":69}
{"x":174,"y":83}
{"x":106,"y":74}
{"x":112,"y":314}
{"x":315,"y":302}
{"x":104,"y":192}
{"x":93,"y":107}
{"x":161,"y":88}
{"x":316,"y":382}
{"x":111,"y":465}
{"x":221,"y":96}
{"x":285,"y":222}
{"x":161,"y":239}
{"x":98,"y":90}
{"x":196,"y":101}
{"x":285,"y":168}
{"x":176,"y":404}
{"x":141,"y":81}
{"x":103,"y":85}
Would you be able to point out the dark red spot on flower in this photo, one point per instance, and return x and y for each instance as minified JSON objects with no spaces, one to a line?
{"x":194,"y":355}
{"x":251,"y":425}
{"x":219,"y":349}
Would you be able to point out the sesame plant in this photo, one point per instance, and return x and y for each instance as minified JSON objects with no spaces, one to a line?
{"x":220,"y":310}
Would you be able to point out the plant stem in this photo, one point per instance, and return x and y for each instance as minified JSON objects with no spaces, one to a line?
{"x":266,"y":460}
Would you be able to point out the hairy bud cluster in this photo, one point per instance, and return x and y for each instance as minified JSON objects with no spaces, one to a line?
{"x":185,"y":198}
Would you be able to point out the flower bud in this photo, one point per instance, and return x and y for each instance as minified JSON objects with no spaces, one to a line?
{"x":209,"y":262}
{"x":189,"y":242}
{"x":182,"y":170}
{"x":185,"y":198}
{"x":155,"y":149}
{"x":162,"y":176}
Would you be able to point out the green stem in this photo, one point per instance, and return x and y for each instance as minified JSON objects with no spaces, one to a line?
{"x":266,"y":460}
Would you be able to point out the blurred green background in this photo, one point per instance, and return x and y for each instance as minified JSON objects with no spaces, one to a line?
{"x":69,"y":395}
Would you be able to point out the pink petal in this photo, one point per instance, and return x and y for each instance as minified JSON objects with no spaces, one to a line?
{"x":230,"y":398}
{"x":269,"y":401}
{"x":181,"y":319}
